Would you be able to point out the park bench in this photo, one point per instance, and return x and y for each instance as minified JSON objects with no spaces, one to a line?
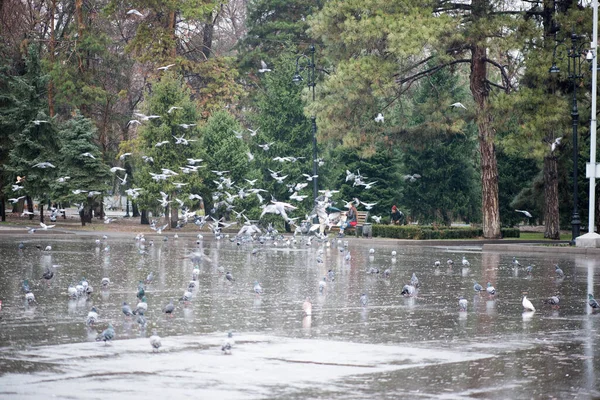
{"x":361,"y":219}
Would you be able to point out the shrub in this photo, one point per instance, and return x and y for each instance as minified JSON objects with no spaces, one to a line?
{"x":430,"y":232}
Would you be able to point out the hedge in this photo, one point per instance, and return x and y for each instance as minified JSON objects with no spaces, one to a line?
{"x":429,"y":232}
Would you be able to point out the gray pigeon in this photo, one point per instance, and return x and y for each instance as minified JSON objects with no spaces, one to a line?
{"x":126,"y":310}
{"x":477,"y":287}
{"x":462,"y":303}
{"x":414,"y":280}
{"x":92,"y":317}
{"x":107,"y":335}
{"x":229,"y":277}
{"x":155,"y":341}
{"x":364,"y":299}
{"x":169,"y":308}
{"x":559,"y":272}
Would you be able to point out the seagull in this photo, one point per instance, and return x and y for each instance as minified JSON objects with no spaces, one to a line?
{"x":253,"y":131}
{"x":161,"y":143}
{"x":166,"y":67}
{"x":193,"y":161}
{"x":379,"y":117}
{"x":186,"y":126}
{"x":107,"y":335}
{"x":155,"y":341}
{"x":525,"y":212}
{"x":368,"y":206}
{"x":263,"y":67}
{"x":527,"y":304}
{"x":122,"y":157}
{"x":173,"y":108}
{"x":463,"y":303}
{"x":376,"y":218}
{"x":411,"y":178}
{"x":88,"y":154}
{"x":16,"y":199}
{"x":457,"y":105}
{"x":37,"y":122}
{"x":123,"y":180}
{"x":266,"y":146}
{"x":135,"y":12}
{"x":44,"y":165}
{"x":46,"y":227}
{"x":115,"y":169}
{"x":133,"y":121}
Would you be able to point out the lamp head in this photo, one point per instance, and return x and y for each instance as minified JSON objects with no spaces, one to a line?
{"x":589,"y":55}
{"x":297,"y":78}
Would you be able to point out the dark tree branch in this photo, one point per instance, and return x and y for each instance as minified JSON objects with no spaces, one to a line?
{"x":430,"y":71}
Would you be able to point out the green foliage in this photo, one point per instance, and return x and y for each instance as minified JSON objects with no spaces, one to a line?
{"x":76,"y":137}
{"x":427,"y":233}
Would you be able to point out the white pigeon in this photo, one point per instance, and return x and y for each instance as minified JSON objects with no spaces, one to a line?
{"x":166,"y":67}
{"x":527,"y":305}
{"x":263,"y":67}
{"x":525,"y":212}
{"x":458,"y":105}
{"x":135,"y":12}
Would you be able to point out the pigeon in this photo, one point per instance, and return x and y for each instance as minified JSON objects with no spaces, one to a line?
{"x":525,"y":212}
{"x":307,"y":307}
{"x":105,"y":283}
{"x":25,"y":286}
{"x":169,"y":308}
{"x":228,"y":344}
{"x":107,"y":335}
{"x":477,"y":287}
{"x":592,"y":301}
{"x":257,"y":288}
{"x":48,"y":274}
{"x":407,"y":290}
{"x":414,"y":280}
{"x":322,"y":285}
{"x":126,"y":310}
{"x":92,"y":317}
{"x":527,"y":305}
{"x":463,"y":303}
{"x":263,"y":67}
{"x":187,"y":296}
{"x":141,"y":292}
{"x":364,"y":299}
{"x":559,"y":272}
{"x":29,"y":296}
{"x":450,"y":263}
{"x":437,"y":263}
{"x":192,"y":285}
{"x":141,"y":307}
{"x":331,"y":275}
{"x":552,"y":300}
{"x":72,"y":292}
{"x":515,"y":262}
{"x":141,"y":320}
{"x":529,"y":269}
{"x":373,"y":271}
{"x":465,"y":262}
{"x":229,"y":277}
{"x":135,"y":12}
{"x":155,"y":341}
{"x":490,"y":289}
{"x":387,"y":273}
{"x":150,"y":277}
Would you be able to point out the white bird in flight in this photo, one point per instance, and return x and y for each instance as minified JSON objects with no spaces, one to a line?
{"x":186,"y":126}
{"x":457,"y":105}
{"x":173,"y":108}
{"x":38,"y":121}
{"x":555,"y":144}
{"x":44,"y":165}
{"x":379,"y":118}
{"x":124,"y":155}
{"x":263,"y":67}
{"x":166,"y":67}
{"x":115,"y":169}
{"x":135,"y":12}
{"x":88,"y":154}
{"x":525,"y":212}
{"x":161,"y":143}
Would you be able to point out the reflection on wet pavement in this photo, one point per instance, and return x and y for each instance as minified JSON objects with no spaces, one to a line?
{"x":393,"y":346}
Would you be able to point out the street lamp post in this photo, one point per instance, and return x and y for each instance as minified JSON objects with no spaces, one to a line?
{"x":305,"y":63}
{"x":575,"y":60}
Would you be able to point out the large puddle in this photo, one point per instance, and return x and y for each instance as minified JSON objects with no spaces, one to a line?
{"x":394,"y":346}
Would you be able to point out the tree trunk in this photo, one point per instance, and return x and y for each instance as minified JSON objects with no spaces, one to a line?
{"x":2,"y":208}
{"x":486,"y":135}
{"x":144,"y":218}
{"x":551,"y":213}
{"x":172,"y":31}
{"x":42,"y":212}
{"x":174,"y":217}
{"x":82,"y":216}
{"x":135,"y":211}
{"x":52,"y":51}
{"x":207,"y":36}
{"x":79,"y":15}
{"x":29,"y":206}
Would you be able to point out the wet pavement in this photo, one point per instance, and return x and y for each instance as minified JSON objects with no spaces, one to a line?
{"x":394,"y":346}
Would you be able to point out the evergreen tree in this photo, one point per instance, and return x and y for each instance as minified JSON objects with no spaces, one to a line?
{"x":80,"y":160}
